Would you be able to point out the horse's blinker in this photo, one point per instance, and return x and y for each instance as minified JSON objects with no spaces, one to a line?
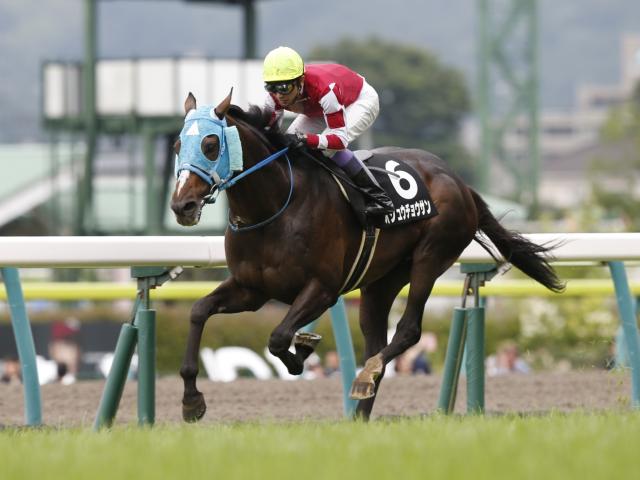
{"x":198,"y":125}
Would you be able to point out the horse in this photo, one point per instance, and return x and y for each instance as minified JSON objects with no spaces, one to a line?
{"x":292,"y":237}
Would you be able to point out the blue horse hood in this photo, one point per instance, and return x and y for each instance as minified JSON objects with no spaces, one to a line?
{"x":199,"y":124}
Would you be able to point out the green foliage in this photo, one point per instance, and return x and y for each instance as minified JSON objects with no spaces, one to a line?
{"x":618,"y":197}
{"x":572,"y":333}
{"x":422,"y":101}
{"x":551,"y":333}
{"x":249,"y":329}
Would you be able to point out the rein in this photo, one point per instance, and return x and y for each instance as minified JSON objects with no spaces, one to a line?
{"x":234,"y":226}
{"x":231,"y":182}
{"x":217,"y":187}
{"x":346,"y":179}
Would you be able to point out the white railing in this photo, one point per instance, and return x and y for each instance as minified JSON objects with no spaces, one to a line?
{"x":88,"y":252}
{"x":200,"y":251}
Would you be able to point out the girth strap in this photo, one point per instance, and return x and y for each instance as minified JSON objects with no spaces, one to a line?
{"x":365,"y":252}
{"x":363,"y":259}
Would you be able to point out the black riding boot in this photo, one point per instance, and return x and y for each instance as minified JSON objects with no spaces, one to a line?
{"x":377,"y":200}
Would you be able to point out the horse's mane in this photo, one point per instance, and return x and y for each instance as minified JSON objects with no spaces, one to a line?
{"x":258,"y":121}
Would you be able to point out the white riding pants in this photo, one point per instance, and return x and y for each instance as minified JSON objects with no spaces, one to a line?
{"x":359,"y":116}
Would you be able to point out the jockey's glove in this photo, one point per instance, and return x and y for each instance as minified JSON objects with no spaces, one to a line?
{"x":295,"y":141}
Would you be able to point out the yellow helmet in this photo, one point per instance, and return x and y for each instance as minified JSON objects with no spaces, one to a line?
{"x":282,"y":64}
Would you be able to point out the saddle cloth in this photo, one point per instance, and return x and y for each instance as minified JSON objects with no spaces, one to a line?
{"x":402,"y":183}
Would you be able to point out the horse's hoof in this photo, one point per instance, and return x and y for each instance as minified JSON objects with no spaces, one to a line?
{"x":362,"y":390}
{"x":193,"y":408}
{"x":307,"y":339}
{"x":296,"y":369}
{"x":364,"y":386}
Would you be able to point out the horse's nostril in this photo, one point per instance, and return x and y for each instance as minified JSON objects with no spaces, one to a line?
{"x":184,"y":208}
{"x":189,"y":208}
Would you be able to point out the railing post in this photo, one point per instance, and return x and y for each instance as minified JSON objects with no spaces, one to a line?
{"x":467,"y":328}
{"x":475,"y":360}
{"x":629,"y":326}
{"x":346,"y":355}
{"x":143,"y":332}
{"x":26,"y":348}
{"x":344,"y":345}
{"x":453,"y":361}
{"x":146,"y":323}
{"x":117,"y":377}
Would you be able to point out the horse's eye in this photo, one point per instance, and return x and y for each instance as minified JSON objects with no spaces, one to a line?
{"x":210,"y":147}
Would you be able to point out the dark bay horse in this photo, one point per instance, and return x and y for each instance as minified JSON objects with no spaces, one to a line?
{"x":307,"y":237}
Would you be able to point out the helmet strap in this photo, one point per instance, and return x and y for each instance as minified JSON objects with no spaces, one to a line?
{"x":299,"y":83}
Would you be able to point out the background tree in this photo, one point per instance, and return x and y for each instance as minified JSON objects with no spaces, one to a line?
{"x":618,"y":195}
{"x":422,"y":101}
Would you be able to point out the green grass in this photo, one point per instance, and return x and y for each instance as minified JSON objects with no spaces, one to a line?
{"x":555,"y":446}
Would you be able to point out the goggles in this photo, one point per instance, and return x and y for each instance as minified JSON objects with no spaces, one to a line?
{"x":283,"y":88}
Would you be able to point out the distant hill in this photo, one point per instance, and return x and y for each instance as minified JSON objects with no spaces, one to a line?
{"x":579,"y":40}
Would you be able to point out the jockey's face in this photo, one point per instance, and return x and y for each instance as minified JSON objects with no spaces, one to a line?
{"x":288,"y":99}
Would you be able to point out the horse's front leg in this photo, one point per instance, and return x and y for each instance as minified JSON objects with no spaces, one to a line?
{"x":229,"y":297}
{"x":313,"y":301}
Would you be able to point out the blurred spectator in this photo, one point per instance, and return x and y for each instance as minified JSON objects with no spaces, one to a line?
{"x":64,"y":349}
{"x":313,"y":367}
{"x":415,"y":360}
{"x":10,"y":372}
{"x":506,"y":360}
{"x":331,"y":363}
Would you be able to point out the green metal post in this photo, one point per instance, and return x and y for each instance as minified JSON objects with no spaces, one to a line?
{"x":311,"y":327}
{"x":54,"y":155}
{"x":85,"y":201}
{"x":507,"y":55}
{"x":629,"y":326}
{"x":131,"y":182}
{"x":475,"y":360}
{"x":453,"y":361}
{"x":152,"y":207}
{"x":347,"y":357}
{"x":249,"y":29}
{"x":117,"y":377}
{"x":24,"y":343}
{"x":146,"y":323}
{"x":532,"y":89}
{"x":622,"y":354}
{"x":483,"y":98}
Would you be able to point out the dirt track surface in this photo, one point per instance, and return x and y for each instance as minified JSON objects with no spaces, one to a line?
{"x":254,"y":400}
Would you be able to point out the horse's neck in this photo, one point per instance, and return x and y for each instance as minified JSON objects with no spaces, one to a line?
{"x":262,"y":193}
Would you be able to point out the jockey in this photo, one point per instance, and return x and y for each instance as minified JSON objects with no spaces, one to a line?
{"x":335,"y":106}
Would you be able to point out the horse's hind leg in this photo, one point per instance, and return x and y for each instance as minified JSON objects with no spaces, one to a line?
{"x":229,"y":297}
{"x":376,"y":300}
{"x":426,"y":268}
{"x":424,"y":272}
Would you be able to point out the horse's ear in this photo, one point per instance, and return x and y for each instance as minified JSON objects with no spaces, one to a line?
{"x":224,"y":106}
{"x":189,"y":103}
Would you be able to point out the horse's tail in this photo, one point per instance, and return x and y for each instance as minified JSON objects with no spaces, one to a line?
{"x":532,"y":259}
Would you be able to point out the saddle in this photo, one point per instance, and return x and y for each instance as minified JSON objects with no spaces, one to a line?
{"x":406,"y":190}
{"x":400,"y":181}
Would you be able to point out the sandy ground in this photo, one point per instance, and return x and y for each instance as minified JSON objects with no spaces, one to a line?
{"x":254,"y":400}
